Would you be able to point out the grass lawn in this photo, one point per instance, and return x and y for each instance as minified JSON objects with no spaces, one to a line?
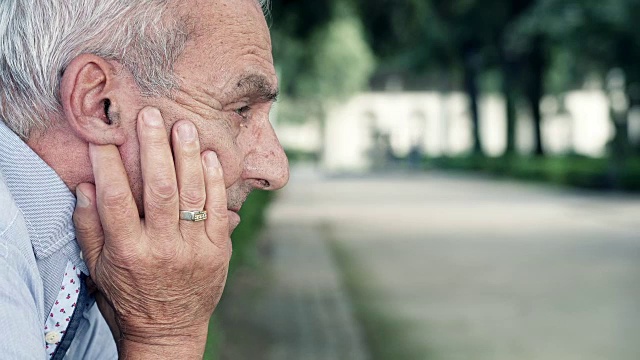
{"x":385,"y":334}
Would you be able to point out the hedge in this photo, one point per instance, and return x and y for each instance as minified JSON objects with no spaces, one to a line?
{"x":575,"y":171}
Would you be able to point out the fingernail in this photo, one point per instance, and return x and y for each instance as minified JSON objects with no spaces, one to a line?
{"x":212,"y":160}
{"x":82,"y":200}
{"x":187,"y":132}
{"x":153,"y":118}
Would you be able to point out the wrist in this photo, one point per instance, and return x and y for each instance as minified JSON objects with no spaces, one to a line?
{"x":163,"y":344}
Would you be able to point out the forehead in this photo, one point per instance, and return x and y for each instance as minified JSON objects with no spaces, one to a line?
{"x":228,"y":39}
{"x":208,"y":16}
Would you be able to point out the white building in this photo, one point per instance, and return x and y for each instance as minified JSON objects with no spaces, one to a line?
{"x":439,"y":124}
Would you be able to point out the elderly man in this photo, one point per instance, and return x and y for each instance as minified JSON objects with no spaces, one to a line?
{"x":155,"y":114}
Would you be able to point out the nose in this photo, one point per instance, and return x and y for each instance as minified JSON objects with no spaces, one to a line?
{"x":267,"y":166}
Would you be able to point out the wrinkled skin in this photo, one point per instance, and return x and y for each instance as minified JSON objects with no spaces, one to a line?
{"x":226,"y":75}
{"x":160,"y":278}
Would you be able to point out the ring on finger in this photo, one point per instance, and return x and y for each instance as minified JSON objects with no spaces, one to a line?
{"x":193,"y":215}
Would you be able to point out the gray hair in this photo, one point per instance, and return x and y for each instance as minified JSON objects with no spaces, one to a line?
{"x":39,"y":38}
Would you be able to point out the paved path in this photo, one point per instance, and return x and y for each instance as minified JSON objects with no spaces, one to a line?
{"x":310,"y":313}
{"x":481,"y":269}
{"x":295,"y":307}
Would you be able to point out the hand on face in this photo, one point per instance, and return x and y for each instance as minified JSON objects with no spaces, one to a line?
{"x":162,"y":276}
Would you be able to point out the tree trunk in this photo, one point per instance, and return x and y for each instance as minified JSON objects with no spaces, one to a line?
{"x":535,"y":91}
{"x":510,"y":64}
{"x":322,"y":113}
{"x":633,"y":92}
{"x":508,"y":68}
{"x":471,"y":88}
{"x":619,"y":147}
{"x":620,"y":144}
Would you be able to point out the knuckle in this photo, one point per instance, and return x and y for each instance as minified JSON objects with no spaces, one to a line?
{"x":124,"y":232}
{"x":129,"y":260}
{"x":192,"y":196}
{"x":155,"y":137}
{"x":78,"y":219}
{"x":114,"y":198}
{"x":217,"y":182}
{"x":191,"y":149}
{"x":156,"y":216}
{"x":218,"y":210}
{"x":84,"y":227}
{"x":218,"y":189}
{"x":163,"y":189}
{"x":167,"y":257}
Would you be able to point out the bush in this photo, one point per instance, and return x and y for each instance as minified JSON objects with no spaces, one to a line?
{"x":244,"y":252}
{"x":296,"y":156}
{"x":572,"y":170}
{"x":630,"y":176}
{"x":244,"y":237}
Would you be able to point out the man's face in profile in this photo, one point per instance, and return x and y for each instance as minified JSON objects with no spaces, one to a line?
{"x":227,"y":84}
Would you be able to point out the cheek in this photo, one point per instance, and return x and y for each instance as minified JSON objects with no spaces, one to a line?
{"x":130,"y":154}
{"x":229,"y":153}
{"x":215,"y":134}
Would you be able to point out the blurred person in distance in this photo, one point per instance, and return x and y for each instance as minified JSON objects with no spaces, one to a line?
{"x":156,"y":115}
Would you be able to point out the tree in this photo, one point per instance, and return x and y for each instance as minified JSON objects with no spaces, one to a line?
{"x":414,"y":36}
{"x":601,"y":36}
{"x":327,"y":61}
{"x":461,"y":36}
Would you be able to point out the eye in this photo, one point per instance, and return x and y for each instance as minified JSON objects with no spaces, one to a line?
{"x":243,"y":111}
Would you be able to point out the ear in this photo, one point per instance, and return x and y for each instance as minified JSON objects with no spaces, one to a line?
{"x":86,"y":88}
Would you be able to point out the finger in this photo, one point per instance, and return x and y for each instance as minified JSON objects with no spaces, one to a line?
{"x":116,"y":206}
{"x":87,"y":223}
{"x":158,"y":173}
{"x":186,"y":152}
{"x":217,"y":223}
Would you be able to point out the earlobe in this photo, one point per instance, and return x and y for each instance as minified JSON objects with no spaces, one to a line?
{"x":86,"y":88}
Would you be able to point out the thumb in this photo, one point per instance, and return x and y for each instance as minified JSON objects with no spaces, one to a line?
{"x":88,"y":226}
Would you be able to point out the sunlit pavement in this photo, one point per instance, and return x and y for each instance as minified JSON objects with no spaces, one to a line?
{"x":481,"y":268}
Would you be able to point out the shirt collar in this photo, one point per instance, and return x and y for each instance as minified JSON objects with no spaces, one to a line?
{"x":44,"y":200}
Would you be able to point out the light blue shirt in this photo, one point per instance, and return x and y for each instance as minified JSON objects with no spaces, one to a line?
{"x":37,"y":240}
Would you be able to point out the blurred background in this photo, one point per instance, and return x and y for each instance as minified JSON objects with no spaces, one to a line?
{"x":464,"y":185}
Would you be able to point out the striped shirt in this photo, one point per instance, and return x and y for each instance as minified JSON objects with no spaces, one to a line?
{"x":37,"y":244}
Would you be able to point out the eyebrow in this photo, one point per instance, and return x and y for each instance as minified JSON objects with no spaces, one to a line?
{"x":257,"y":86}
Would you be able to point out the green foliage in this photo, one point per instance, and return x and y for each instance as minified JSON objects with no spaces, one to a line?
{"x":330,"y":59}
{"x":326,"y":63}
{"x":244,"y":237}
{"x":630,"y":175}
{"x":213,"y":340}
{"x":342,"y":61}
{"x":300,"y":18}
{"x":407,"y":34}
{"x":296,"y":156}
{"x":384,"y":333}
{"x":323,"y":48}
{"x":573,"y":171}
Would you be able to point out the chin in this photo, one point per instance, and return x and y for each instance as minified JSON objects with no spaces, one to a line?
{"x":234,"y":220}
